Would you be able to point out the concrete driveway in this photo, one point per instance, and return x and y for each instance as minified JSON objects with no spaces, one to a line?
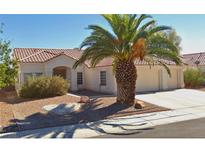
{"x":176,"y":99}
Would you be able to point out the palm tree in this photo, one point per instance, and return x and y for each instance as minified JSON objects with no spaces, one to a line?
{"x":130,"y":39}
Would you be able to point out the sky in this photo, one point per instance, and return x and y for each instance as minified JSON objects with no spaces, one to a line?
{"x":68,"y":31}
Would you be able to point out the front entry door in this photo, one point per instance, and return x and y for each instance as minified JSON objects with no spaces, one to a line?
{"x":60,"y":71}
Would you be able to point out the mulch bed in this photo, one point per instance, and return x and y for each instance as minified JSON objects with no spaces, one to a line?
{"x":23,"y":114}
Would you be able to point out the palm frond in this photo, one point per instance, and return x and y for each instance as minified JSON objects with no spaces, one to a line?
{"x":158,"y":29}
{"x":149,"y":60}
{"x":152,"y":22}
{"x":124,"y":41}
{"x":116,"y":23}
{"x":157,"y":41}
{"x":166,"y":55}
{"x":141,"y":18}
{"x":99,"y":57}
{"x":165,"y":66}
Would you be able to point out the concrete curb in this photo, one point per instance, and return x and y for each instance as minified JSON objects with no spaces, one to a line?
{"x":111,"y":126}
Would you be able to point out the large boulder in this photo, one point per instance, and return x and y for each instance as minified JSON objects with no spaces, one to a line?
{"x":139,"y":105}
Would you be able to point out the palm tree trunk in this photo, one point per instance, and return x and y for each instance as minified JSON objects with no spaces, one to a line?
{"x":126,"y":76}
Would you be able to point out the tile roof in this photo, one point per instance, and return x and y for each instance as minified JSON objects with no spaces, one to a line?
{"x":194,"y":58}
{"x":41,"y":55}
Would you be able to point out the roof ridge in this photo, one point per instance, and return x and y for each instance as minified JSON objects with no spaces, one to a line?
{"x":193,"y":53}
{"x":49,"y":48}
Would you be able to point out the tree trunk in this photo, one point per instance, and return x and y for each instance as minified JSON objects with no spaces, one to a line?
{"x":126,"y":76}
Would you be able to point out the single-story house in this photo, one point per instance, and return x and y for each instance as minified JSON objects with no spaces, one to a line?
{"x":48,"y":62}
{"x":195,"y":60}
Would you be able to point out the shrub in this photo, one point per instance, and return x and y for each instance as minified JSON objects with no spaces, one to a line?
{"x":42,"y":87}
{"x":193,"y":78}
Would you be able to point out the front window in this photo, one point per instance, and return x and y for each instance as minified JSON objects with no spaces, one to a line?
{"x":27,"y":76}
{"x":38,"y":74}
{"x":79,"y":78}
{"x":103,"y":78}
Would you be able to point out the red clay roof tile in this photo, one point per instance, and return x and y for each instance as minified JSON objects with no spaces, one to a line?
{"x":41,"y":55}
{"x":194,"y":59}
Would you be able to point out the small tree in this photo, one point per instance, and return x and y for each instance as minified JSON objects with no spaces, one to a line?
{"x":173,"y":37}
{"x":8,"y":66}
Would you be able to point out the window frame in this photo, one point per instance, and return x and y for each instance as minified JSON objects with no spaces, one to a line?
{"x":37,"y":74}
{"x":79,"y":78}
{"x":32,"y":74}
{"x":103,"y":78}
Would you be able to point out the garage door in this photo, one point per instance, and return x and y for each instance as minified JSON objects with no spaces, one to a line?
{"x":173,"y":80}
{"x":147,"y":80}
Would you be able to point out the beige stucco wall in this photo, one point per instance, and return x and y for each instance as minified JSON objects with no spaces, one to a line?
{"x":68,"y":62}
{"x":153,"y":79}
{"x":29,"y":68}
{"x":156,"y":78}
{"x":47,"y":69}
{"x":173,"y":79}
{"x":177,"y":78}
{"x":147,"y":78}
{"x":92,"y":79}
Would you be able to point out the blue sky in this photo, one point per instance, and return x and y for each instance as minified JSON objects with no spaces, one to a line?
{"x":68,"y":31}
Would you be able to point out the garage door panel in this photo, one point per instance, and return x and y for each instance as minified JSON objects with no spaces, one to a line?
{"x":173,"y":80}
{"x":147,"y":80}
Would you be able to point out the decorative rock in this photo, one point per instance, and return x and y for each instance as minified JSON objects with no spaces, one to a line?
{"x":139,"y":105}
{"x":62,"y":109}
{"x":84,"y":99}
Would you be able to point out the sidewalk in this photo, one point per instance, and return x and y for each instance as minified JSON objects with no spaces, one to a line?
{"x":112,"y":126}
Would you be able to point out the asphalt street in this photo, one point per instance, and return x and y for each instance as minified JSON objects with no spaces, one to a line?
{"x":186,"y":129}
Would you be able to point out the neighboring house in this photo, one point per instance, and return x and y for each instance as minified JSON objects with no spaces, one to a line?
{"x":195,"y":60}
{"x":48,"y":62}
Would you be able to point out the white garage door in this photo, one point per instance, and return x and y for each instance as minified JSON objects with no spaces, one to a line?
{"x":173,"y":80}
{"x":147,"y":80}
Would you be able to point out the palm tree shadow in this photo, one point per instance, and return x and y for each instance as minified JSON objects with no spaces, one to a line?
{"x":65,"y":132}
{"x":83,"y":119}
{"x":69,"y":131}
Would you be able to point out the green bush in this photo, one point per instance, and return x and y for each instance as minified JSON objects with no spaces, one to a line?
{"x":193,"y":78}
{"x":42,"y":87}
